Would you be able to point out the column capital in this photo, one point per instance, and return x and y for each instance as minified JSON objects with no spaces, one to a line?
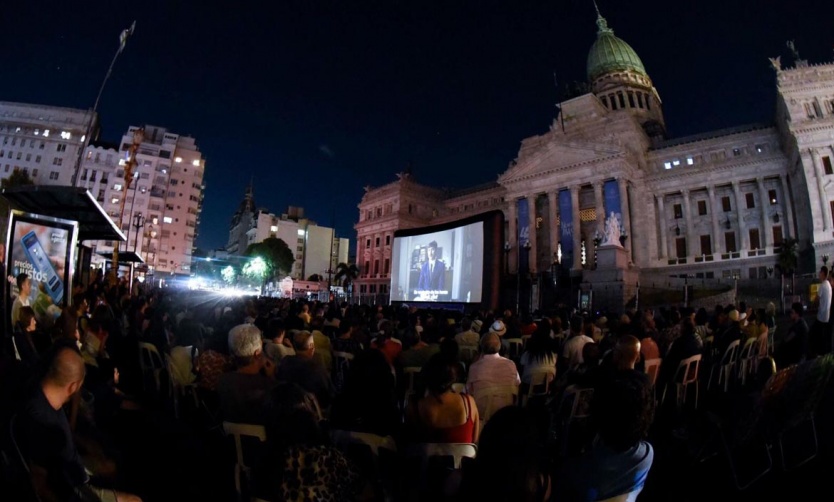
{"x":711,"y":190}
{"x":685,"y":192}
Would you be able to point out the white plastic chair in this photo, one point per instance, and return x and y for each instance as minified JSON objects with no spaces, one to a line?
{"x":238,"y":431}
{"x":515,"y":347}
{"x":178,"y":388}
{"x":468,"y":353}
{"x":410,"y":374}
{"x":524,"y":340}
{"x":426,"y":451}
{"x":652,"y":368}
{"x":150,"y":362}
{"x":344,"y":440}
{"x":685,"y":375}
{"x":493,"y":398}
{"x":725,"y":366}
{"x":748,"y":359}
{"x":539,"y":385}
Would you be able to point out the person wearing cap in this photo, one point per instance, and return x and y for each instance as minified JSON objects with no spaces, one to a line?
{"x":471,"y":334}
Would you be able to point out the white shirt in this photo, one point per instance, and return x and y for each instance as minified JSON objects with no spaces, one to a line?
{"x":573,"y":349}
{"x":824,"y":295}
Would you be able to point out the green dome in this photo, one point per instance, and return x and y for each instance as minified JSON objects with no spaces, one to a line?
{"x":610,"y":53}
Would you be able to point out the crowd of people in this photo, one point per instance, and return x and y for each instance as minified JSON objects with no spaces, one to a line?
{"x":302,"y":369}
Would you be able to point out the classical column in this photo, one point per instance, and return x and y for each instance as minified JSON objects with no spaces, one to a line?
{"x":787,"y":205}
{"x":661,"y":219}
{"x":622,"y":184}
{"x":512,"y":238}
{"x":532,"y":255}
{"x":600,"y":206}
{"x":638,"y":253}
{"x":687,"y":218}
{"x":717,"y":241}
{"x":767,"y":239}
{"x":824,"y":213}
{"x":553,"y":204}
{"x":577,"y":230}
{"x":743,"y":238}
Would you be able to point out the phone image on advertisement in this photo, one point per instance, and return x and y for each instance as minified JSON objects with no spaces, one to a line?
{"x":40,"y":261}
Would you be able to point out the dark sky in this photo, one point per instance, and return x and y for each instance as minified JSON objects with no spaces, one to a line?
{"x":315,"y":99}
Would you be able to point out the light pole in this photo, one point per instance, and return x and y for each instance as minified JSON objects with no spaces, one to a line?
{"x":526,"y":247}
{"x":138,"y":222}
{"x":507,"y":248}
{"x":138,"y":136}
{"x":123,"y":36}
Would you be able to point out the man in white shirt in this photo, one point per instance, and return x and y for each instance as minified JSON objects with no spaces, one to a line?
{"x":820,"y":338}
{"x":573,"y":347}
{"x":491,"y":370}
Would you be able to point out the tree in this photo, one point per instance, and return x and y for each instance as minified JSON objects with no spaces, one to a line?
{"x":788,"y":259}
{"x":18,"y":178}
{"x":314,"y":278}
{"x":346,"y":273}
{"x":229,"y":273}
{"x":277,"y":256}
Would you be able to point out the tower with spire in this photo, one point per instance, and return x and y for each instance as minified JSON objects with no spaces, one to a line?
{"x":616,"y":75}
{"x":242,"y":221}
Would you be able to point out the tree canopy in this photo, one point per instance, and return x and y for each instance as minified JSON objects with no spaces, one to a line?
{"x":18,"y":178}
{"x":275,"y":253}
{"x":346,"y":273}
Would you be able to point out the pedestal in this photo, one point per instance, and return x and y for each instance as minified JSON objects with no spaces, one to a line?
{"x":613,"y":282}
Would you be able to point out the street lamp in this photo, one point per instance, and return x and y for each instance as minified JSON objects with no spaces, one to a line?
{"x":125,"y":34}
{"x":138,"y":222}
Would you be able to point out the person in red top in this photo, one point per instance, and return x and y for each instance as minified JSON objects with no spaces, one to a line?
{"x":442,"y":415}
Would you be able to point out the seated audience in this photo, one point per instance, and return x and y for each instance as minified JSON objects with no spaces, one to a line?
{"x":794,"y":347}
{"x":368,"y":401}
{"x":305,"y":370}
{"x":540,"y":354}
{"x":275,"y":347}
{"x":471,"y":334}
{"x":242,"y":392}
{"x":491,"y":370}
{"x":572,"y":351}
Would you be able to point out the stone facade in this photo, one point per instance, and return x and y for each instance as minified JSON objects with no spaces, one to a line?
{"x":712,"y":205}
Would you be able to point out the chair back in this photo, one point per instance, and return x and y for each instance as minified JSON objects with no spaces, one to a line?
{"x":652,"y":368}
{"x":539,"y":385}
{"x":576,"y":403}
{"x":238,"y":432}
{"x":747,"y":347}
{"x":765,"y":343}
{"x":375,"y":456}
{"x":411,"y":373}
{"x":150,"y":362}
{"x":492,"y":398}
{"x":468,"y":353}
{"x":731,"y":354}
{"x":341,"y":361}
{"x":687,"y":372}
{"x":524,"y":340}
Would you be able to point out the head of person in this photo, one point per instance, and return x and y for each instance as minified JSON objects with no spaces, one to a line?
{"x":796,"y":311}
{"x":27,"y":319}
{"x":292,"y":418}
{"x":823,"y":275}
{"x":438,"y":375}
{"x":302,"y":342}
{"x":24,"y":284}
{"x":432,"y":250}
{"x":576,"y":324}
{"x":626,"y":352}
{"x":275,"y":330}
{"x":498,"y":328}
{"x":67,"y":325}
{"x":345,"y":328}
{"x":623,"y":410}
{"x":245,"y":344}
{"x":79,"y":302}
{"x":490,"y":344}
{"x":65,"y":374}
{"x":701,"y":317}
{"x":510,"y":449}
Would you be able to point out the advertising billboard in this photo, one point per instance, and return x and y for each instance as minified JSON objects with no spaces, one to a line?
{"x":43,"y":248}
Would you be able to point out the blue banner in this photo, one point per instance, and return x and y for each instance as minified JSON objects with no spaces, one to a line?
{"x":611,"y":198}
{"x":523,"y":232}
{"x":566,"y":227}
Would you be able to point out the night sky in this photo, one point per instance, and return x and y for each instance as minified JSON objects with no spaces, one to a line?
{"x":316,"y":99}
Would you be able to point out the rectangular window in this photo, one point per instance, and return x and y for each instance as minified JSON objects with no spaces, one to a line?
{"x":725,"y":204}
{"x":678,"y":209}
{"x":368,"y":243}
{"x":387,"y":267}
{"x":61,"y":147}
{"x":367,"y":266}
{"x":826,"y":164}
{"x":754,"y":238}
{"x":377,"y":242}
{"x":777,"y":235}
{"x":730,"y":242}
{"x":376,"y":267}
{"x":680,"y":247}
{"x":706,"y":245}
{"x":702,"y":207}
{"x":387,"y":240}
{"x":771,"y":194}
{"x":34,"y":172}
{"x":832,"y":210}
{"x":53,"y":175}
{"x":621,"y":99}
{"x":631,"y":99}
{"x":751,"y":201}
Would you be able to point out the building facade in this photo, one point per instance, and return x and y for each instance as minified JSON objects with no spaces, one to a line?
{"x":310,"y":243}
{"x":713,"y":205}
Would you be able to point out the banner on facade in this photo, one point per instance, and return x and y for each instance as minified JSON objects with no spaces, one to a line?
{"x":523,"y":233}
{"x":566,"y":227}
{"x":611,"y":198}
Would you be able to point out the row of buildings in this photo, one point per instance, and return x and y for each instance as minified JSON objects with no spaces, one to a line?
{"x":317,"y":249}
{"x":718,"y":204}
{"x":163,"y":202}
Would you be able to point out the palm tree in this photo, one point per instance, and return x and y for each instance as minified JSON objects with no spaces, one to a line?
{"x":788,"y":259}
{"x":346,"y":273}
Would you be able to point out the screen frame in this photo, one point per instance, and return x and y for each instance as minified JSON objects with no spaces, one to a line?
{"x":493,"y":249}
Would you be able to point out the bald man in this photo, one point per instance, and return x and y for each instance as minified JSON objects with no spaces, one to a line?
{"x":626,"y":352}
{"x":45,"y":437}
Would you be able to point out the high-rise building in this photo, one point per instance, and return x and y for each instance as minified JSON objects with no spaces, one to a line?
{"x":43,"y":141}
{"x":163,"y":202}
{"x":310,"y":243}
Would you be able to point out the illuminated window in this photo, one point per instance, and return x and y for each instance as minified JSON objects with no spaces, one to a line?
{"x":301,"y":232}
{"x":667,"y":165}
{"x":66,"y":135}
{"x":117,"y":187}
{"x":195,"y":162}
{"x":690,"y":161}
{"x":273,"y":228}
{"x":114,"y":200}
{"x":46,"y":133}
{"x":676,"y":162}
{"x":178,"y":159}
{"x":167,"y":219}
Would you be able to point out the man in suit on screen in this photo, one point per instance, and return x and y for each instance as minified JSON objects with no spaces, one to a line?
{"x":433,"y":271}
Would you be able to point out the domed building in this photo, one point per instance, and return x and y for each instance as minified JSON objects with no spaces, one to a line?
{"x":715,"y":206}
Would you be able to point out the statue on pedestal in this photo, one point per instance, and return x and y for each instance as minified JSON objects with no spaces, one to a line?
{"x":612,"y":230}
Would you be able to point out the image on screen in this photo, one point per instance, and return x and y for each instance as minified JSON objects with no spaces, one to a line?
{"x":444,"y":266}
